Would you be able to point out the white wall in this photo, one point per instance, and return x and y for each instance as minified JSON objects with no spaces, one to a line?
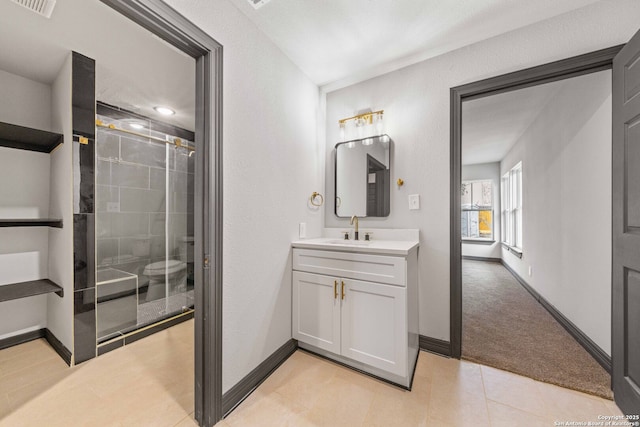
{"x":30,"y":101}
{"x":484,"y":171}
{"x":24,"y":193}
{"x":272,"y":164}
{"x":566,"y":215}
{"x":60,"y":310}
{"x":416,"y":104}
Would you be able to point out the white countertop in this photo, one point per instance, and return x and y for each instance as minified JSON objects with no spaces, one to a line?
{"x":389,"y":247}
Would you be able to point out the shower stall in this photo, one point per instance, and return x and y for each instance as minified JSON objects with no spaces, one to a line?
{"x":144,"y":197}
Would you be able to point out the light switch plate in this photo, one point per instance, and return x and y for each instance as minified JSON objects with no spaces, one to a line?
{"x":302,"y":230}
{"x":414,"y":202}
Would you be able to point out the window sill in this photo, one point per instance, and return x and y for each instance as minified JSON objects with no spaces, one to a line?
{"x":479,"y":241}
{"x":517,"y":252}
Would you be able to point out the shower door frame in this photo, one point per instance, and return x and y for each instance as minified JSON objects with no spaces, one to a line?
{"x":169,"y":25}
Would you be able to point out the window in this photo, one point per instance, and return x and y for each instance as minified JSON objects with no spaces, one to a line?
{"x":477,"y":210}
{"x":511,"y":191}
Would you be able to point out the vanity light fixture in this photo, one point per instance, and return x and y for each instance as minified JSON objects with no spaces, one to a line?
{"x":379,"y":124}
{"x":361,"y":122}
{"x":165,"y":111}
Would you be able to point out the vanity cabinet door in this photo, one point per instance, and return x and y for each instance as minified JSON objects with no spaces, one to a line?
{"x":374,"y":325}
{"x":316,"y":310}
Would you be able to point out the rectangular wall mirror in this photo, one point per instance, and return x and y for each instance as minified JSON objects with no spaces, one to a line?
{"x":363,"y":177}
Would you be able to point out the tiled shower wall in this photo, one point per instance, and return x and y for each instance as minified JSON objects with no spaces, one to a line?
{"x":131,"y":196}
{"x":119,"y":199}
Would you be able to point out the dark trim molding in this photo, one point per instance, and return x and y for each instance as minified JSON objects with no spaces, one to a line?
{"x":236,"y":394}
{"x":54,"y":342}
{"x":162,"y":20}
{"x":592,"y":348}
{"x":22,"y":338}
{"x":482,"y":258}
{"x":435,"y":345}
{"x":574,"y":66}
{"x":45,"y":333}
{"x":571,"y":67}
{"x":137,"y":334}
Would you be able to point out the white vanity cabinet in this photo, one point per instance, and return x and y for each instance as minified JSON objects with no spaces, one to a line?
{"x":359,"y":309}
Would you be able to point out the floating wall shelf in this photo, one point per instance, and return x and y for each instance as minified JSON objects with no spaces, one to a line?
{"x":29,"y":289}
{"x":35,"y":222}
{"x":24,"y":138}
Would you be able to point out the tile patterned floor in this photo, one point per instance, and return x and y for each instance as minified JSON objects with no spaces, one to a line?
{"x":147,"y":383}
{"x":150,"y":383}
{"x":310,"y":391}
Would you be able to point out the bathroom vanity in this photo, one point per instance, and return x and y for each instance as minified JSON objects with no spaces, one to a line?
{"x":356,"y":302}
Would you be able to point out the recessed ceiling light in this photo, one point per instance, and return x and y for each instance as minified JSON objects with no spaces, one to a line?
{"x":165,"y":111}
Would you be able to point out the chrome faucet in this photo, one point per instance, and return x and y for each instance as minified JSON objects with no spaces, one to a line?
{"x":355,"y":233}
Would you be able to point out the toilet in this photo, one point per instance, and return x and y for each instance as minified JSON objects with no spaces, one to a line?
{"x":158,"y":272}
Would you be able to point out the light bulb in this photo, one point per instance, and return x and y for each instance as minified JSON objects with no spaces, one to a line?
{"x":342,"y":132}
{"x":360,"y":127}
{"x":379,"y":125}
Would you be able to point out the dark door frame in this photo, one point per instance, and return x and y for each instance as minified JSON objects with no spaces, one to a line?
{"x":572,"y":67}
{"x":169,"y":25}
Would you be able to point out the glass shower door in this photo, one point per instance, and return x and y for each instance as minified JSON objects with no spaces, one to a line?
{"x":144,"y":223}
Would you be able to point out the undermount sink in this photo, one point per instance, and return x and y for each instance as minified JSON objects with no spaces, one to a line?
{"x":348,"y":242}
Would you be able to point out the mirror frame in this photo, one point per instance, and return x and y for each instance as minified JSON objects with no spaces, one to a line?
{"x":335,"y":174}
{"x":166,"y":23}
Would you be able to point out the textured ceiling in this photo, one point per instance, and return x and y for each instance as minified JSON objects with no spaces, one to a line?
{"x":492,"y":125}
{"x":135,"y":70}
{"x":335,"y":42}
{"x":340,"y":42}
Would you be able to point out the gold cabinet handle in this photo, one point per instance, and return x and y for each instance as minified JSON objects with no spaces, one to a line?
{"x":335,"y":289}
{"x":342,"y":289}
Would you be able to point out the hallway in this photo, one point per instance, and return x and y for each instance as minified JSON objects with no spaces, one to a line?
{"x":505,"y":327}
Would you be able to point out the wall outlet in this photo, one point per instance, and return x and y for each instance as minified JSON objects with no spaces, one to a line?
{"x":113,"y":207}
{"x":530,"y":271}
{"x":414,"y":202}
{"x":302,"y":230}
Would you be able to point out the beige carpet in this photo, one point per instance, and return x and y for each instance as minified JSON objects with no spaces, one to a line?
{"x":505,"y":327}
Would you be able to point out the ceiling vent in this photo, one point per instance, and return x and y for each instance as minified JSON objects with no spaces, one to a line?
{"x":41,"y":7}
{"x":257,"y":4}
